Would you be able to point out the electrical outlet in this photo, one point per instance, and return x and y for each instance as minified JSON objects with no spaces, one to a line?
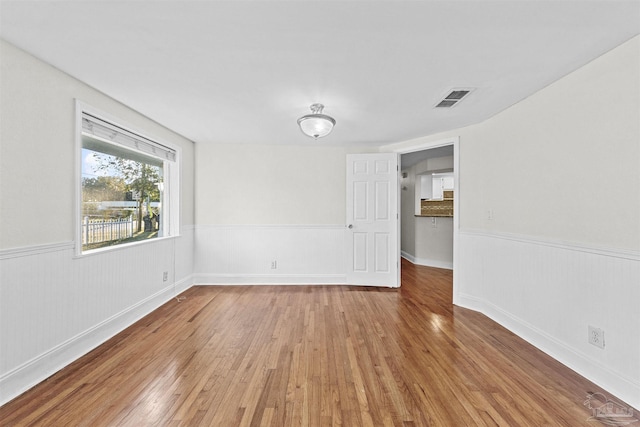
{"x":165,"y":276}
{"x":490,"y":214}
{"x":274,"y":265}
{"x":596,"y":336}
{"x":434,"y":224}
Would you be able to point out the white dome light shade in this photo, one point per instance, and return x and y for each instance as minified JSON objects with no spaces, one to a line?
{"x":316,"y":124}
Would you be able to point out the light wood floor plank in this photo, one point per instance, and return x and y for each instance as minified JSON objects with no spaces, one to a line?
{"x":311,"y":356}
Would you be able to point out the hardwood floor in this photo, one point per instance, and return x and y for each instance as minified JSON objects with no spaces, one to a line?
{"x":311,"y":355}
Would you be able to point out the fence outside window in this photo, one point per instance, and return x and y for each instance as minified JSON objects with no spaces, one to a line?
{"x":96,"y":230}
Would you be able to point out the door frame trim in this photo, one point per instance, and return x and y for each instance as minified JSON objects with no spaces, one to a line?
{"x":420,"y":146}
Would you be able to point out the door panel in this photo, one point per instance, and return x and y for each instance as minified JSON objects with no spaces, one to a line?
{"x":360,"y":252}
{"x":382,"y":201}
{"x":372,"y":215}
{"x":383,"y":166}
{"x":360,"y":190}
{"x":382,"y":252}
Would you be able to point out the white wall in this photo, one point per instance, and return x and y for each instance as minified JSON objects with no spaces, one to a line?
{"x":407,"y":213}
{"x":572,"y":134}
{"x":424,"y":242}
{"x":54,"y":306}
{"x":258,"y":204}
{"x":563,"y":248}
{"x":434,"y":242}
{"x":276,"y":184}
{"x":553,"y":259}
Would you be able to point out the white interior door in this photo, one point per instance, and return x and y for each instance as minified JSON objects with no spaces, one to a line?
{"x":372,"y":219}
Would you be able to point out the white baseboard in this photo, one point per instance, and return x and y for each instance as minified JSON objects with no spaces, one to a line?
{"x":568,"y":356}
{"x":183,"y":284}
{"x":548,"y":292}
{"x":427,"y":262}
{"x":29,"y":374}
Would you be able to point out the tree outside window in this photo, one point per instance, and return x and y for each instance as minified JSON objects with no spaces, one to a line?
{"x":121,"y":197}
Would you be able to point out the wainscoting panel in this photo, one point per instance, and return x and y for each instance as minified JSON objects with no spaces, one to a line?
{"x":270,"y":254}
{"x":55,"y":307}
{"x":550,"y":292}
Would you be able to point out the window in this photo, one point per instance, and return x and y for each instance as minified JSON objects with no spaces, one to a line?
{"x":126,"y":192}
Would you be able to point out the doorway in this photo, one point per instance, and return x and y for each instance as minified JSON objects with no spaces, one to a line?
{"x":429,"y":238}
{"x":427,"y":188}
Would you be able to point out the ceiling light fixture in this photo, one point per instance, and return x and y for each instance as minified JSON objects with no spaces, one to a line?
{"x":316,"y":124}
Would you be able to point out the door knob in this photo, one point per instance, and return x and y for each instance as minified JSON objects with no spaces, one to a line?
{"x":350,"y":225}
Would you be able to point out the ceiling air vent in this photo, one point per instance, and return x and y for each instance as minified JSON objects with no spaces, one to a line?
{"x":455,"y":96}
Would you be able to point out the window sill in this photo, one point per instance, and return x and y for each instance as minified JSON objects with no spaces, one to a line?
{"x":123,"y":246}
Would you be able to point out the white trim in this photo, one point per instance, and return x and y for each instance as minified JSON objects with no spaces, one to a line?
{"x":581,"y":363}
{"x":420,"y":146}
{"x":398,"y":221}
{"x":182,"y":285}
{"x":572,"y":246}
{"x":269,"y":279}
{"x":426,"y":262}
{"x":520,"y":281}
{"x":172,"y":178}
{"x":35,"y":250}
{"x":269,"y":226}
{"x":36,"y":370}
{"x":77,"y":233}
{"x":122,"y":246}
{"x":65,"y":246}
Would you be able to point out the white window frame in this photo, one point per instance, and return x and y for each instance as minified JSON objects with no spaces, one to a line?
{"x":171,"y":177}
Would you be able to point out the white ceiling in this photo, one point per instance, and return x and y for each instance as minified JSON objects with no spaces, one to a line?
{"x":243,"y":72}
